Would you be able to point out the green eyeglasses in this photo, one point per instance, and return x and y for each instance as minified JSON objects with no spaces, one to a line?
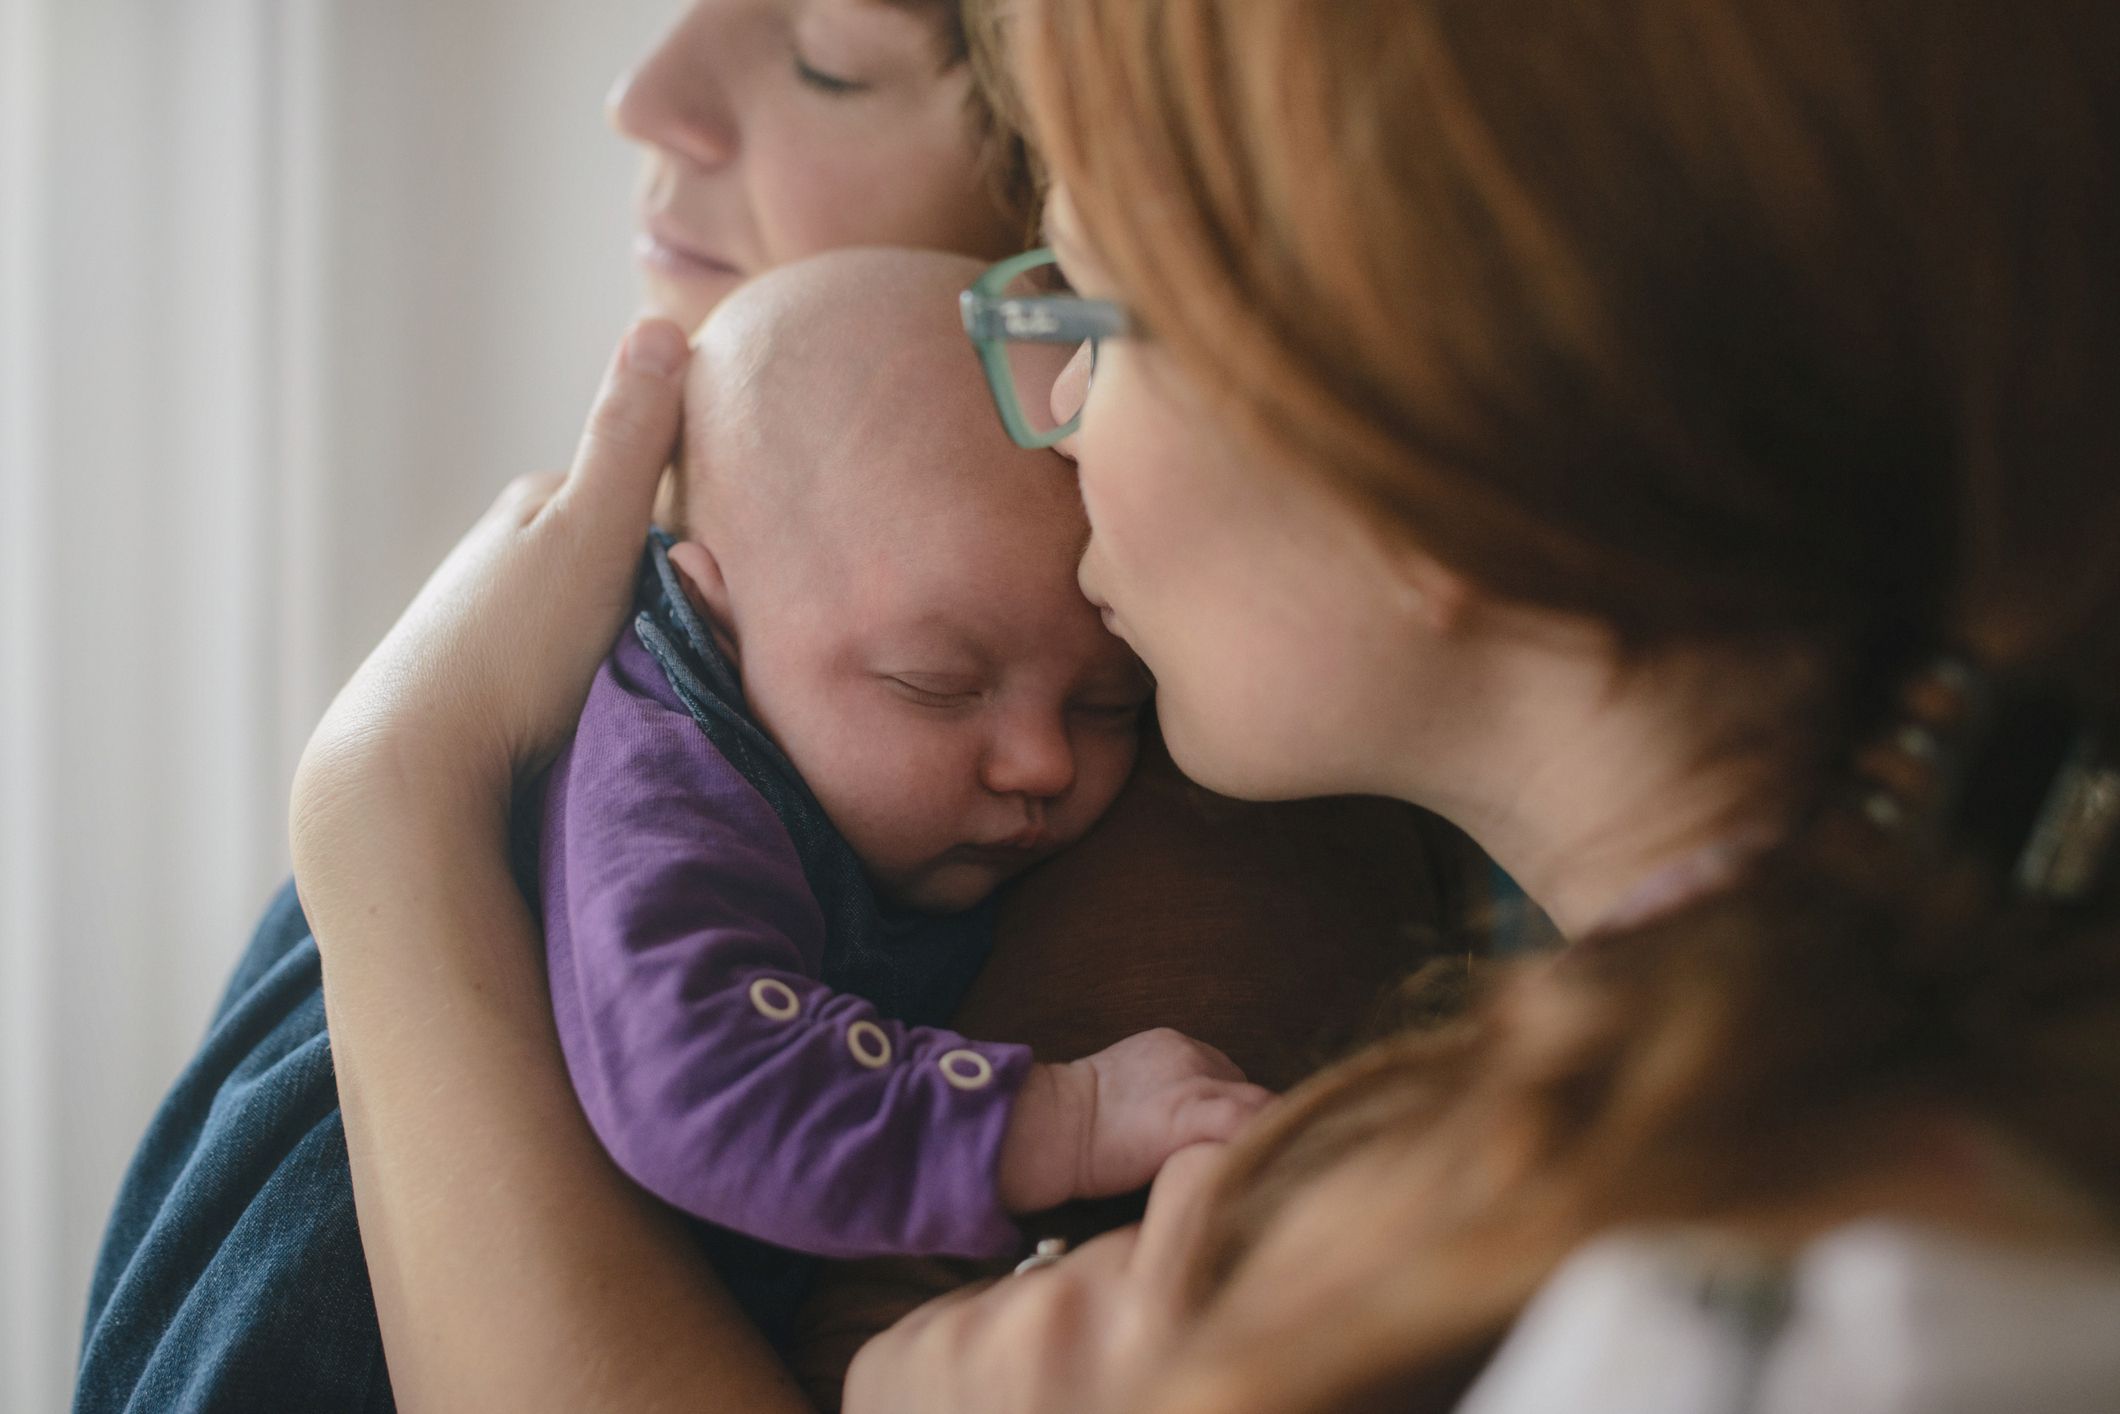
{"x":1022,"y":302}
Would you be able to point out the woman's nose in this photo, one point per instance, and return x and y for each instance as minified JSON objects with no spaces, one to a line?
{"x":1030,"y":756}
{"x":674,"y":99}
{"x":1070,"y":392}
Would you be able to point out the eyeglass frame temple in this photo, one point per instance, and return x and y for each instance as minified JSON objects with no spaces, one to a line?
{"x":994,"y":321}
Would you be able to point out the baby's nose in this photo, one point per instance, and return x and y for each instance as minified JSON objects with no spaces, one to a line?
{"x":1030,"y":757}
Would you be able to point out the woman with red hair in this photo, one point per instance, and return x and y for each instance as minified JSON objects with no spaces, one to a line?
{"x":1665,"y":437}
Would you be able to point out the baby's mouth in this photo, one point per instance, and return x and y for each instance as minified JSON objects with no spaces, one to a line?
{"x":1008,"y":854}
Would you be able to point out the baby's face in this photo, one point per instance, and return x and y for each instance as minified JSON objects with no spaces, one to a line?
{"x":896,"y":581}
{"x":954,"y":702}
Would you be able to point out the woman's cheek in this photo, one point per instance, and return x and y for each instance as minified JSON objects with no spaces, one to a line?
{"x":830,"y":186}
{"x":1121,"y":461}
{"x":1201,"y":698}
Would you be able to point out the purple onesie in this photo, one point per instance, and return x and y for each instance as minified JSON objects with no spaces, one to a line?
{"x":684,"y":948}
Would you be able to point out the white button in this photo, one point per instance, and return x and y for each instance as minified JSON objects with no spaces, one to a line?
{"x":775,"y":999}
{"x":967,"y":1070}
{"x":869,"y":1044}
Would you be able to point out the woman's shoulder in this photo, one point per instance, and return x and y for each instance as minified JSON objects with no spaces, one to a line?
{"x":1874,"y":1317}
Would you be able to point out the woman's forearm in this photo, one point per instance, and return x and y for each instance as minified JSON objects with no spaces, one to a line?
{"x":513,"y":1267}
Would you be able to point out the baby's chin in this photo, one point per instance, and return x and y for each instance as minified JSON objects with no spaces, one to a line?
{"x":954,"y":885}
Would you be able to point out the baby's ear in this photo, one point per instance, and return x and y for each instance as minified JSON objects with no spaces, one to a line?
{"x":701,"y":575}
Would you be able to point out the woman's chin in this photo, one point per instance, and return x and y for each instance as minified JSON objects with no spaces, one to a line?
{"x":1227,"y":767}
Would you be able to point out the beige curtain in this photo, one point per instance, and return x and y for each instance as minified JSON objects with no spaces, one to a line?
{"x":287,"y":288}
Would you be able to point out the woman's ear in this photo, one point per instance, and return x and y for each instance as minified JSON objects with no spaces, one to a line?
{"x":701,"y":576}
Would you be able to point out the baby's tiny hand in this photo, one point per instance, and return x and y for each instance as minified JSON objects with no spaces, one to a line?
{"x":1106,"y":1123}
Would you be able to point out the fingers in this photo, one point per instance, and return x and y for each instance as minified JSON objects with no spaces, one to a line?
{"x":522,"y":499}
{"x":1214,"y":1063}
{"x":1175,"y":1049}
{"x":632,"y":431}
{"x":1217,"y":1113}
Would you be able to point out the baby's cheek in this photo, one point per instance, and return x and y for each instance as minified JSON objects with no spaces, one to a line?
{"x":934,"y":778}
{"x":1106,"y":764}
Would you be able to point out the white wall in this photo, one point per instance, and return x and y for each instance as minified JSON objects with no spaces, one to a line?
{"x":287,"y":289}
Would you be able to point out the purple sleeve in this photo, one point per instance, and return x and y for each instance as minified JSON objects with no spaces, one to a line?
{"x":684,"y":946}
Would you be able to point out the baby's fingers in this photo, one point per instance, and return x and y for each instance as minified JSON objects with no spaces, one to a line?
{"x":1213,"y":1063}
{"x":1214,"y":1113}
{"x":1168,"y":1054}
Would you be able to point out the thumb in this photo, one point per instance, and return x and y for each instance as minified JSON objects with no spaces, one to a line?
{"x":609,"y":494}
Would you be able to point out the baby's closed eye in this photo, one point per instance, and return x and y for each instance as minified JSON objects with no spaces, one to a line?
{"x":1116,"y":711}
{"x":936,"y":689}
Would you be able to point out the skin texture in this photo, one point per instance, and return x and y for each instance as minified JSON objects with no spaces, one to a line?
{"x":898,"y":596}
{"x":507,"y":1254}
{"x":1211,"y":557}
{"x":1578,"y":770}
{"x":895,"y":580}
{"x":1274,"y":976}
{"x":513,"y":1266}
{"x":776,"y":129}
{"x":511,"y":1272}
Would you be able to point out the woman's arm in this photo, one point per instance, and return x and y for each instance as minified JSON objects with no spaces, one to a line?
{"x":513,"y":1267}
{"x":1085,"y":1336}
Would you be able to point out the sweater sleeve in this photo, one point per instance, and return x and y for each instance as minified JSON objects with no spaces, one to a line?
{"x":720,"y":1074}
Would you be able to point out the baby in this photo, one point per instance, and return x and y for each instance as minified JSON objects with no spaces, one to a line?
{"x":862,"y":692}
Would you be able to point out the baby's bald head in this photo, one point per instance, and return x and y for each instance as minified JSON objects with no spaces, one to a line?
{"x":894,"y":580}
{"x":831,"y":399}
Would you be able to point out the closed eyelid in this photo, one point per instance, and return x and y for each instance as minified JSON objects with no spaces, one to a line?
{"x":824,"y":82}
{"x":936,"y":687}
{"x":1113,"y":702}
{"x":881,"y":41}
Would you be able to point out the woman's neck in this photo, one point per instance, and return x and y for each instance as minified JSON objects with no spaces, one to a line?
{"x":1612,"y":793}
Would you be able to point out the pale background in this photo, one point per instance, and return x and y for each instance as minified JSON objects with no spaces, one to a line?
{"x":288,"y":288}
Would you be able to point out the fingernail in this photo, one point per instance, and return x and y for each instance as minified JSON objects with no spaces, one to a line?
{"x":656,"y":347}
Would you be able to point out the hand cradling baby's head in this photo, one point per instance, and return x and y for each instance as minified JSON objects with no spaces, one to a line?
{"x":895,"y":579}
